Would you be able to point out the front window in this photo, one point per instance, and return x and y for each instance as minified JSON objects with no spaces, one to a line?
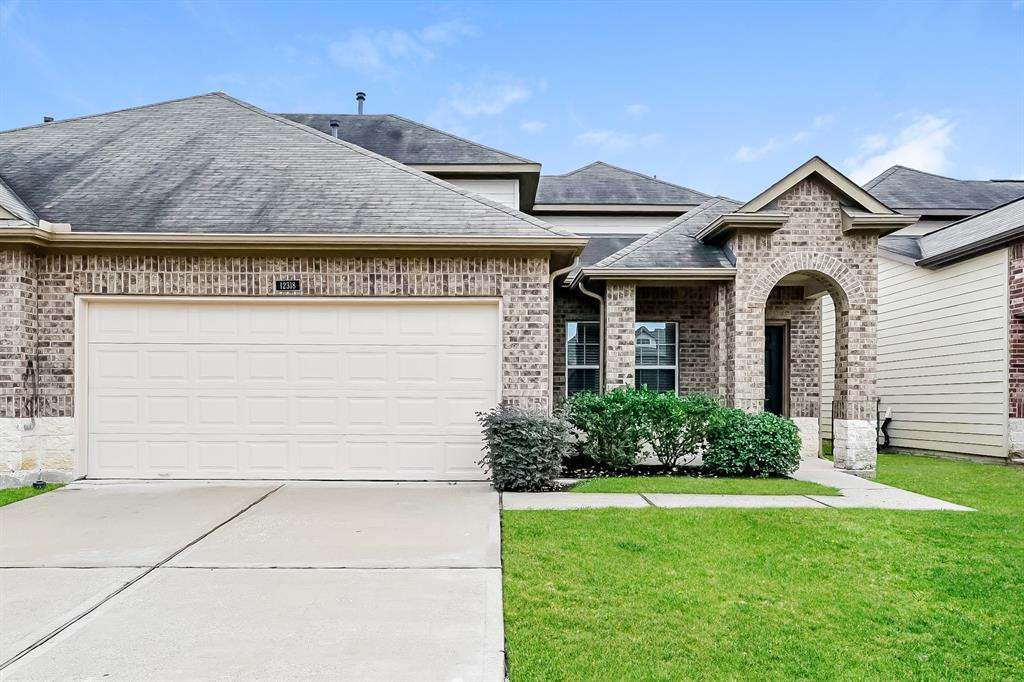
{"x":582,"y":357}
{"x":656,"y":356}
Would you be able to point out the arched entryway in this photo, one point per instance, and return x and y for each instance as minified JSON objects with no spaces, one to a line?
{"x":778,"y":332}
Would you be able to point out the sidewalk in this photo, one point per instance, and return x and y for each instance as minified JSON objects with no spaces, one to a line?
{"x":854,"y":493}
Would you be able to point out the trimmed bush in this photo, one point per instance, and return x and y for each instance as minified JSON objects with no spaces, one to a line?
{"x":523,"y":448}
{"x":742,"y":444}
{"x":612,"y":426}
{"x":676,"y":427}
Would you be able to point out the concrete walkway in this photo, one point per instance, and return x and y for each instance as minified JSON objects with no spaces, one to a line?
{"x":252,"y":581}
{"x":854,"y":493}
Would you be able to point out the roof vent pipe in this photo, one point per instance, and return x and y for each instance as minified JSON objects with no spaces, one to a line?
{"x":47,"y":119}
{"x":334,"y":127}
{"x":360,"y":98}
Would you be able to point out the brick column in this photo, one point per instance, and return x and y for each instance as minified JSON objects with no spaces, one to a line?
{"x":1016,"y":378}
{"x":620,"y":336}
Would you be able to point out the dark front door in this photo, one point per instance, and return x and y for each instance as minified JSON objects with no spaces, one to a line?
{"x":774,"y":368}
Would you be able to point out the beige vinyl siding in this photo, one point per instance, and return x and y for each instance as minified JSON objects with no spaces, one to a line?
{"x":503,"y":190}
{"x":942,"y":354}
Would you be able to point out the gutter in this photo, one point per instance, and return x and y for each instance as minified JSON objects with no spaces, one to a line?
{"x":700,"y":274}
{"x":973,"y":249}
{"x":551,"y":330}
{"x":60,"y":235}
{"x":600,"y":320}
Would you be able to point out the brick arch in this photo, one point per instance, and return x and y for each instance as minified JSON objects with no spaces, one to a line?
{"x":842,"y":283}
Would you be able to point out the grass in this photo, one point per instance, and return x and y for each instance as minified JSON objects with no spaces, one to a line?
{"x":11,"y":495}
{"x":703,"y":485}
{"x":726,"y":594}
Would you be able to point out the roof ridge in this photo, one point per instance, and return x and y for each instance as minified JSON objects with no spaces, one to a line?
{"x":422,"y":125}
{"x":457,"y":137}
{"x":631,"y":172}
{"x":115,"y":111}
{"x":559,"y":232}
{"x":870,"y":184}
{"x":652,"y":237}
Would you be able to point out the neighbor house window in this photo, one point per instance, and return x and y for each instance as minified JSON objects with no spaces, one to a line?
{"x":657,"y":362}
{"x":582,"y":357}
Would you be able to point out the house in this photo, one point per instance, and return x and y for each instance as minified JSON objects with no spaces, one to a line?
{"x":949,"y":378}
{"x":203,"y":289}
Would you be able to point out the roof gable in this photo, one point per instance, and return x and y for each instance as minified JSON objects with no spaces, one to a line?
{"x":913,"y":191}
{"x":12,"y":205}
{"x":604,"y":184}
{"x":674,"y":245}
{"x":214,"y":164}
{"x":817,"y":166}
{"x":406,"y":141}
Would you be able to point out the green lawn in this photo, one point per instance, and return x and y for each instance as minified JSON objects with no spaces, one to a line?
{"x":9,"y":495}
{"x":704,"y":485}
{"x":819,"y":594}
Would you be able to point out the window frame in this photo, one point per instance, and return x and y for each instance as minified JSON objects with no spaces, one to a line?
{"x":674,"y":367}
{"x":568,"y":356}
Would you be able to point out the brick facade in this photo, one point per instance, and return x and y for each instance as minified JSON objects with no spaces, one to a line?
{"x":812,"y":242}
{"x":1016,"y":322}
{"x":570,"y":306}
{"x":50,"y":282}
{"x":620,"y":334}
{"x":690,"y":308}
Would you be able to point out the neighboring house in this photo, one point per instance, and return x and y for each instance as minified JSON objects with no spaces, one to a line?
{"x":949,"y":326}
{"x":202,"y":289}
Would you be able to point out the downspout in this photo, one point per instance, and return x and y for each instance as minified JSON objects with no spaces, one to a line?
{"x":551,"y":331}
{"x":600,"y":322}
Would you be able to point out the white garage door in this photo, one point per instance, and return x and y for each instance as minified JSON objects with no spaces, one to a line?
{"x":270,"y":389}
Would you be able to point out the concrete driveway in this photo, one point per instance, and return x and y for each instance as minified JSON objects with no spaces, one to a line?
{"x":252,"y":581}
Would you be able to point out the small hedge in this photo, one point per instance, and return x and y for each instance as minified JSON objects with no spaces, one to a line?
{"x":743,"y":444}
{"x":619,"y":427}
{"x":523,"y":448}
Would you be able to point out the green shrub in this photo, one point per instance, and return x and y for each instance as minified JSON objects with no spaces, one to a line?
{"x":523,"y":448}
{"x":676,"y":427}
{"x":742,"y":444}
{"x":612,"y":426}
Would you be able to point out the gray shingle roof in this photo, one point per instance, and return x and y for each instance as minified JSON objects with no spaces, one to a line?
{"x":602,"y":183}
{"x":971,"y":235}
{"x":674,"y":245}
{"x":903,"y":245}
{"x":405,"y":141}
{"x":14,"y":205}
{"x":912,"y":191}
{"x":214,"y":164}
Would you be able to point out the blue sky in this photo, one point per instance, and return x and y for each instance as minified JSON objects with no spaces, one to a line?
{"x":722,"y":97}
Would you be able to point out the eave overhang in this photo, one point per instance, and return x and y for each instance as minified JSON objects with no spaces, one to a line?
{"x":40,"y":236}
{"x":667,"y":274}
{"x":875,"y":222}
{"x":974,"y":249}
{"x":720,"y":228}
{"x":615,"y":209}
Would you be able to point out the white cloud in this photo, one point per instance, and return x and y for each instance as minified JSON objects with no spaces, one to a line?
{"x":637,"y":111}
{"x":533,"y":127}
{"x":485,"y":99}
{"x":748,"y":153}
{"x":379,"y":52}
{"x":922,"y":144}
{"x":616,"y":140}
{"x":448,"y":31}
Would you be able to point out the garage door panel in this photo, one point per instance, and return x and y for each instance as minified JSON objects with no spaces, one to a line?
{"x":195,"y":390}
